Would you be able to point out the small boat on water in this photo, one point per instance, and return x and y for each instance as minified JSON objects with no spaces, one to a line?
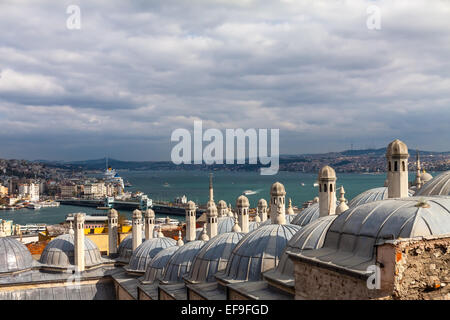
{"x":302,"y":184}
{"x":316,"y":184}
{"x":249,"y":192}
{"x":166,"y":185}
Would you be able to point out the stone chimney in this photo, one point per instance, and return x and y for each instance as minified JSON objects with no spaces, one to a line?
{"x":327,"y":191}
{"x":149,"y":223}
{"x":113,"y":223}
{"x":190,"y":221}
{"x":137,"y":229}
{"x":242,"y":206}
{"x":80,"y":263}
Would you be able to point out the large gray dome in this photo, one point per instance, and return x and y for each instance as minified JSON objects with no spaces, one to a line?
{"x":307,"y":215}
{"x":225,"y":224}
{"x":351,"y":238}
{"x":157,"y":265}
{"x":14,"y":256}
{"x":147,"y":250}
{"x":258,"y":251}
{"x":180,"y":263}
{"x":125,"y":249}
{"x":309,"y":237}
{"x":370,"y":195}
{"x":213,"y":257}
{"x":438,"y":186}
{"x":60,"y":252}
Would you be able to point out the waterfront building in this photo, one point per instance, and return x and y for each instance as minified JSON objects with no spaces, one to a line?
{"x":29,"y":191}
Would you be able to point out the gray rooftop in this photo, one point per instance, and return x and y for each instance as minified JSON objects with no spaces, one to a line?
{"x":351,"y":238}
{"x":438,"y":186}
{"x":180,"y":263}
{"x":258,"y":252}
{"x":125,"y":249}
{"x":213,"y":257}
{"x":370,"y":195}
{"x":14,"y":256}
{"x":147,"y":250}
{"x":307,"y":215}
{"x":155,"y":268}
{"x":60,"y":252}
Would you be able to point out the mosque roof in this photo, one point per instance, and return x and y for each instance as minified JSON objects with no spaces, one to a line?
{"x":125,"y":249}
{"x":438,"y":186}
{"x":156,"y":266}
{"x":370,"y":195}
{"x":147,"y":250}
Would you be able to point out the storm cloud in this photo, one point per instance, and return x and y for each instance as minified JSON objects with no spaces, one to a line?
{"x":137,"y":70}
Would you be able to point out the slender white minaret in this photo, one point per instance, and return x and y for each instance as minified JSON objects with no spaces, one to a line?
{"x":211,"y":190}
{"x":342,"y":201}
{"x":222,"y":209}
{"x":3,"y":229}
{"x":242,"y":206}
{"x":79,"y":242}
{"x":113,"y":222}
{"x":327,"y":191}
{"x":397,"y":162}
{"x":190,"y":221}
{"x":149,"y":223}
{"x":211,"y":219}
{"x":418,"y":181}
{"x":262,"y":209}
{"x":137,"y":229}
{"x":277,"y":204}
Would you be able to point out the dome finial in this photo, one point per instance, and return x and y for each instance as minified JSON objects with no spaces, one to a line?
{"x":342,"y":201}
{"x":160,"y":234}
{"x":204,"y":235}
{"x":290,"y":210}
{"x":71,"y":228}
{"x":180,"y":239}
{"x":236,"y":227}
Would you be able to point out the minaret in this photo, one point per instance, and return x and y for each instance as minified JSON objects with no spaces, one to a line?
{"x":327,"y":191}
{"x":79,"y":242}
{"x":137,"y":229}
{"x":277,"y":204}
{"x":211,"y":190}
{"x":149,"y":223}
{"x":242,"y":206}
{"x":211,"y":219}
{"x":190,"y":221}
{"x":222,"y":209}
{"x":113,"y":222}
{"x":262,"y":209}
{"x":397,"y":162}
{"x":418,"y":181}
{"x":342,"y":202}
{"x":3,"y":229}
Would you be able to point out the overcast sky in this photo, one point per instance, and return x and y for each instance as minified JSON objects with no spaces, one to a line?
{"x":137,"y":70}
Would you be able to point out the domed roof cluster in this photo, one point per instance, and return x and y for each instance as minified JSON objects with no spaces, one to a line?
{"x":14,"y":256}
{"x":258,"y":251}
{"x":180,"y":262}
{"x":351,"y":238}
{"x":60,"y":252}
{"x":307,"y":215}
{"x":156,"y":266}
{"x":213,"y":257}
{"x":396,"y":147}
{"x":147,"y":250}
{"x":125,"y":250}
{"x":225,"y":224}
{"x":370,"y":195}
{"x":438,"y":186}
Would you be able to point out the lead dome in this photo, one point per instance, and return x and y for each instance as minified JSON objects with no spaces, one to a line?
{"x":14,"y":256}
{"x":327,"y":172}
{"x":438,"y":186}
{"x":60,"y":252}
{"x":396,"y":148}
{"x":147,"y":250}
{"x":277,"y":189}
{"x":156,"y":266}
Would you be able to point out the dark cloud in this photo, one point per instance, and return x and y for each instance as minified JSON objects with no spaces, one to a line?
{"x":139,"y":69}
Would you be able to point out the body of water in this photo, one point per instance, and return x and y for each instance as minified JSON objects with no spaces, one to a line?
{"x":167,"y":185}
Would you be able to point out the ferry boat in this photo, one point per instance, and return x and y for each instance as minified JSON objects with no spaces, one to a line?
{"x":249,"y":192}
{"x":111,"y":175}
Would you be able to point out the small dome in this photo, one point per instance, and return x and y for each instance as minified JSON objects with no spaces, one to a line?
{"x":125,"y":249}
{"x":258,"y":252}
{"x":351,"y":238}
{"x":221,"y":205}
{"x":242,"y":202}
{"x":60,"y":252}
{"x":438,"y":186}
{"x":213,"y":257}
{"x":425,"y":177}
{"x":308,"y":238}
{"x":149,"y":213}
{"x":147,"y":250}
{"x":327,"y":172}
{"x":368,"y":196}
{"x":253,"y":225}
{"x":137,"y":214}
{"x":307,"y":215}
{"x":262,"y":203}
{"x":191,"y":205}
{"x":277,"y":189}
{"x":14,"y":256}
{"x":396,"y":148}
{"x":180,"y":262}
{"x":156,"y":266}
{"x":342,"y":207}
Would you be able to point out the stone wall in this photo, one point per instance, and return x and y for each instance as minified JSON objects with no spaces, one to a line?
{"x":410,"y":269}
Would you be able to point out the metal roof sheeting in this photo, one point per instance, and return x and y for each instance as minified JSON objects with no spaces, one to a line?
{"x":14,"y":256}
{"x":156,"y":266}
{"x":147,"y":250}
{"x":438,"y":186}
